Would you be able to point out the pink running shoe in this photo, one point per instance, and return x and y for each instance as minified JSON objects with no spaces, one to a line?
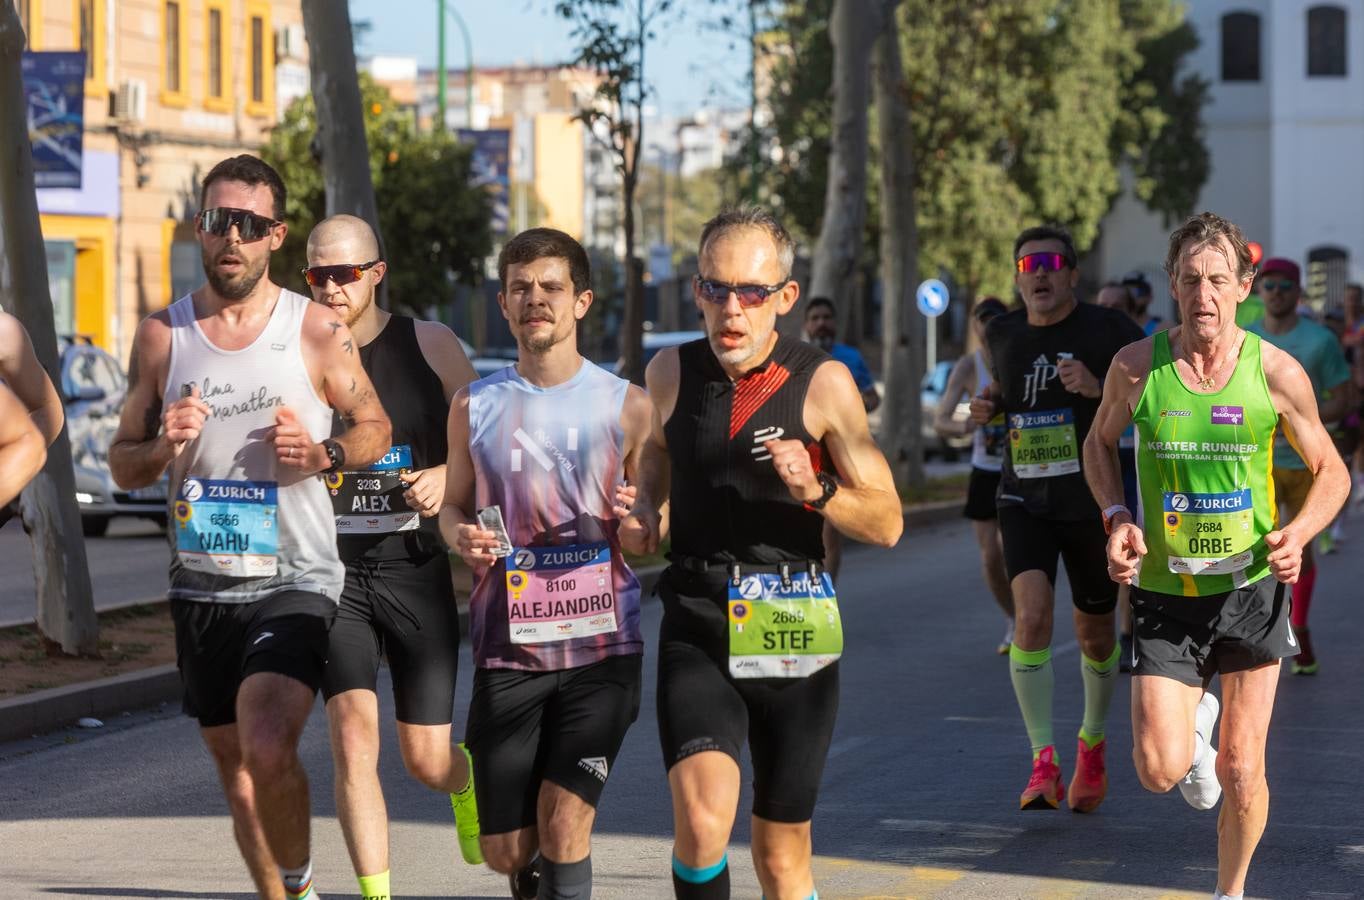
{"x":1044,"y":790}
{"x":1090,"y":782}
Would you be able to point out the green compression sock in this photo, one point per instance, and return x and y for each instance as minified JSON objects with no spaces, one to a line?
{"x":375,"y":887}
{"x":1099,"y":684}
{"x":1033,"y":681}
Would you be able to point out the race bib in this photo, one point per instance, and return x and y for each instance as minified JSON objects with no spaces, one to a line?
{"x":778,"y":631}
{"x":1209,"y":534}
{"x":1043,"y":444}
{"x":371,"y":501}
{"x":560,"y":593}
{"x":228,"y":527}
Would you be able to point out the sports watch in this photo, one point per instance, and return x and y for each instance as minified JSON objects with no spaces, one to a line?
{"x":830,"y":486}
{"x":336,"y":455}
{"x":1112,"y":511}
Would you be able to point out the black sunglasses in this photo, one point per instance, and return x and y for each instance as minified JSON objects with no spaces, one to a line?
{"x":342,"y":275}
{"x":250,"y":226}
{"x":749,"y":294}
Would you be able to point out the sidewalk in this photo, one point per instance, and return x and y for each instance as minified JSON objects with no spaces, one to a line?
{"x":29,"y":715}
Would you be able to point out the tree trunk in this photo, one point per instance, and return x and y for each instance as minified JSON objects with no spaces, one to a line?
{"x":66,"y":608}
{"x":632,"y":318}
{"x":852,"y":30}
{"x":340,"y":136}
{"x":902,"y":326}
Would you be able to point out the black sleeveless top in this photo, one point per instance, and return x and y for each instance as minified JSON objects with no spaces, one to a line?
{"x":412,"y":395}
{"x":728,"y":502}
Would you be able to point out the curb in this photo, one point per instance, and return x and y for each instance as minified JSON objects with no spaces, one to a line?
{"x":29,"y":715}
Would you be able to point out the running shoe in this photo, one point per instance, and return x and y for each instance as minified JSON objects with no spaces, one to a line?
{"x":525,"y":884}
{"x":1044,"y":790}
{"x":1007,"y":641}
{"x":1200,"y":786}
{"x":1089,"y":784}
{"x":1305,"y":663}
{"x":1125,"y":657}
{"x":465,"y":805}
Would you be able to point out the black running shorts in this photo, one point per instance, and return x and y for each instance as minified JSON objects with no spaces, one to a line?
{"x":980,"y":495}
{"x":404,"y":610}
{"x":565,"y":727}
{"x":788,"y":722}
{"x":1190,"y":639}
{"x":1033,"y":543}
{"x":218,"y":645}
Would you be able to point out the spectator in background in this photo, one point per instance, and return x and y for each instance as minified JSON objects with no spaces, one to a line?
{"x":1140,"y":289}
{"x":1116,"y":295}
{"x":821,"y":329}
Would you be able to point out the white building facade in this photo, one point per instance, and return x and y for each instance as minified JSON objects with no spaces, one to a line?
{"x":1284,"y":126}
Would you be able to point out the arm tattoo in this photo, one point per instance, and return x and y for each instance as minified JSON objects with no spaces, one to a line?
{"x":348,"y":346}
{"x":151,"y":420}
{"x":334,"y":326}
{"x":349,"y":415}
{"x":134,"y":371}
{"x":352,"y":385}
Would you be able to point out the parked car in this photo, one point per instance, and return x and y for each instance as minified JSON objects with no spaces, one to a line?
{"x":93,"y":387}
{"x":931,"y":390}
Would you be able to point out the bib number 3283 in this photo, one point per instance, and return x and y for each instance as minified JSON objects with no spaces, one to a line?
{"x":781,"y":630}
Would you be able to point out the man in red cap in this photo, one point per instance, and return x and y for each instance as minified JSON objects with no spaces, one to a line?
{"x":1319,"y":353}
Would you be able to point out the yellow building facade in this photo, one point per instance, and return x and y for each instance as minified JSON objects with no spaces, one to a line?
{"x":172,"y":87}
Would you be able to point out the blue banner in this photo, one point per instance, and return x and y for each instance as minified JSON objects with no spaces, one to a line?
{"x":492,"y":170}
{"x":54,"y":94}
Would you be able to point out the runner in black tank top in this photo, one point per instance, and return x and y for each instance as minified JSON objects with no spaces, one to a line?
{"x":767,"y":438}
{"x":398,"y":601}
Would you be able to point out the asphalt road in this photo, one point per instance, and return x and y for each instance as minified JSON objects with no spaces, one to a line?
{"x":919,"y":795}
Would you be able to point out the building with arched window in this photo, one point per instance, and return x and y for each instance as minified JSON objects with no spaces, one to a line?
{"x":1285,"y":129}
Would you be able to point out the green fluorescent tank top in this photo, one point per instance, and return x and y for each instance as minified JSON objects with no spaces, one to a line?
{"x":1203,"y":466}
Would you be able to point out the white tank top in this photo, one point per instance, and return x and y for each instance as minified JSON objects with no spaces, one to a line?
{"x":987,"y":442}
{"x":243,"y":527}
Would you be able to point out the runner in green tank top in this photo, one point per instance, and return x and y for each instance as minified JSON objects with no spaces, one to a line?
{"x":1207,"y":399}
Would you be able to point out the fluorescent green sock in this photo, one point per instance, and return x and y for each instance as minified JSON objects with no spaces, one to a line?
{"x":1033,"y":681}
{"x":1099,"y":684}
{"x":375,"y":887}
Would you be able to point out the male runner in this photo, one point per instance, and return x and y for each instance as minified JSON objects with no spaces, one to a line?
{"x":1318,"y":352}
{"x":233,"y":388}
{"x":767,"y":439}
{"x":970,"y":377}
{"x":1050,"y":359}
{"x":1207,"y":398}
{"x":1140,"y":291}
{"x":22,"y":451}
{"x":398,"y":601}
{"x":537,"y":452}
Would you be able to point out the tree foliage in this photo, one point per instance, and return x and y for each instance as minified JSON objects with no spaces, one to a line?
{"x":435,"y":225}
{"x":1021,"y":111}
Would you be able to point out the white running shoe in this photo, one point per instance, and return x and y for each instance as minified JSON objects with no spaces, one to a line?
{"x":1200,"y":786}
{"x":1008,"y":639}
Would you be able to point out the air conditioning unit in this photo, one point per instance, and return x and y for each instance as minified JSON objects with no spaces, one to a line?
{"x":290,"y":42}
{"x":130,"y":101}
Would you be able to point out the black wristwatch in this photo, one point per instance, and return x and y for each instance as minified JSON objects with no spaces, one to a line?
{"x":830,"y":486}
{"x":336,"y":454}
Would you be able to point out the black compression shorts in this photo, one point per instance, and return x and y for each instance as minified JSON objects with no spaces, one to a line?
{"x":218,"y":645}
{"x":1034,"y":543}
{"x":565,"y":727}
{"x":404,"y":610}
{"x":788,"y":722}
{"x":1190,"y":639}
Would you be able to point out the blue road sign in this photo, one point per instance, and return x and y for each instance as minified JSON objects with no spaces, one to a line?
{"x":933,"y":298}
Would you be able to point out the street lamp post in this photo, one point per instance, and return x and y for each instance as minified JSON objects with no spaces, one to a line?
{"x":441,"y":11}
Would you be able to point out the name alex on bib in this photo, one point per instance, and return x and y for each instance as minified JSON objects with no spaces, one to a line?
{"x":371,"y":501}
{"x":228,"y":527}
{"x":560,"y":593}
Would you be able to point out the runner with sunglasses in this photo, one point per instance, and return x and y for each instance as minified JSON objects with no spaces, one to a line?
{"x":537,"y":453}
{"x":1318,"y":352}
{"x":767,"y":439}
{"x":1049,"y":360}
{"x":398,"y":602}
{"x":233,"y":388}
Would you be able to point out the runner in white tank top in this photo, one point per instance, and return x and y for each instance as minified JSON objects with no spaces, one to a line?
{"x":233,"y":389}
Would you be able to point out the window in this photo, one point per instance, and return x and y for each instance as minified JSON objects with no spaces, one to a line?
{"x":1326,"y":42}
{"x":260,"y":96}
{"x":1241,"y":47}
{"x":30,"y":17}
{"x":89,"y":16}
{"x":175,"y":66}
{"x":1328,"y":268}
{"x":218,"y":86}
